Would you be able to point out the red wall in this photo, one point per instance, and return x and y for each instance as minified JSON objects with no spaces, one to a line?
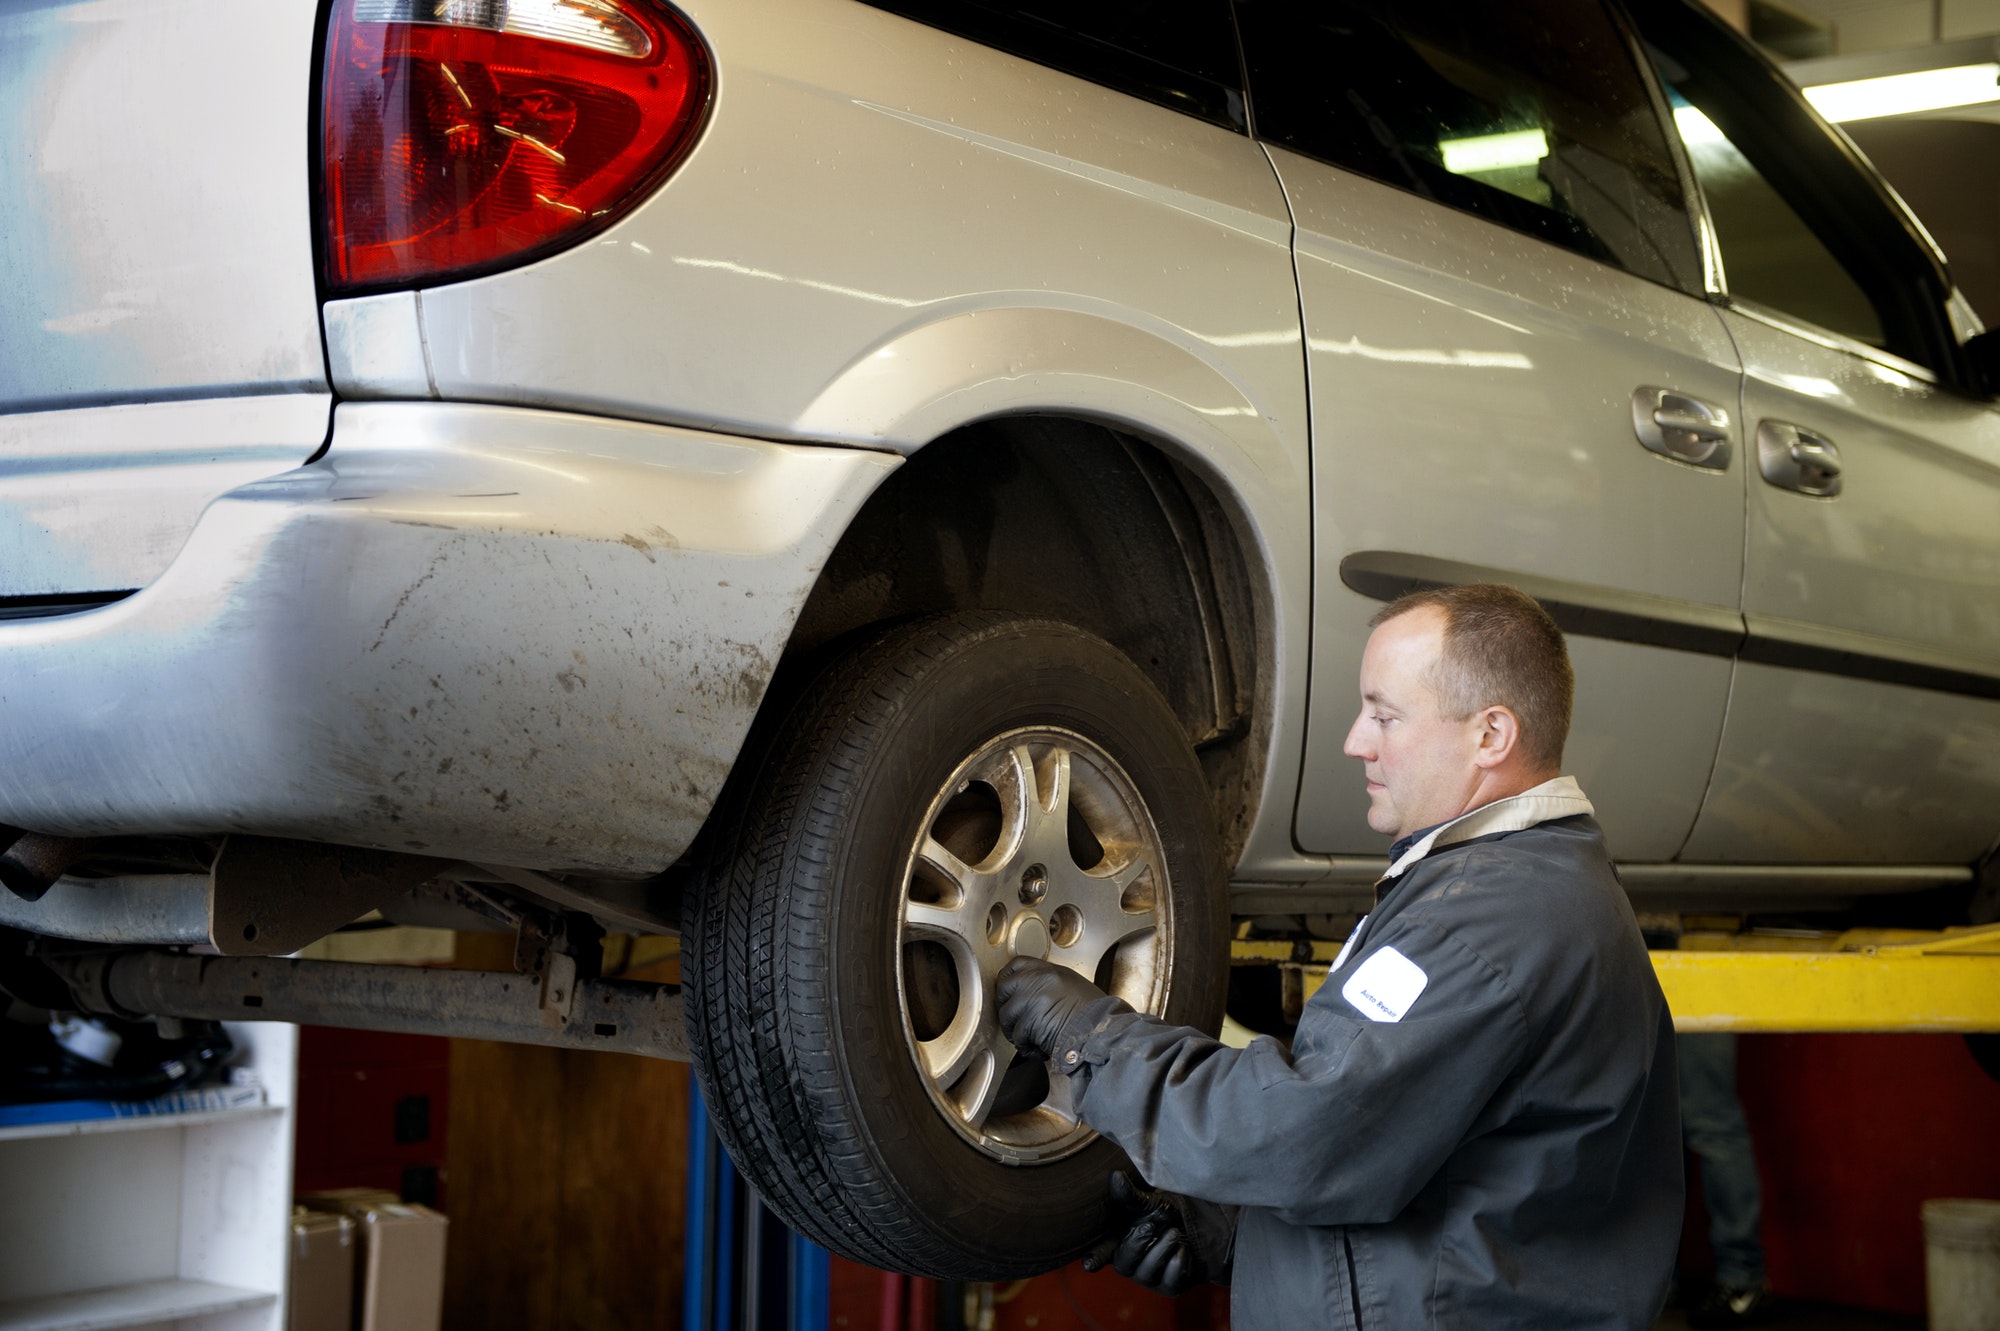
{"x":351,"y":1085}
{"x":1852,"y":1133}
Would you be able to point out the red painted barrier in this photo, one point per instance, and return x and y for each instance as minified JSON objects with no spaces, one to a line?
{"x":1852,"y":1133}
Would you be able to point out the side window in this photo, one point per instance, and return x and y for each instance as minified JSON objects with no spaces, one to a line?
{"x":1179,"y":53}
{"x":1804,"y":227}
{"x":1532,"y":113}
{"x":1769,"y":255}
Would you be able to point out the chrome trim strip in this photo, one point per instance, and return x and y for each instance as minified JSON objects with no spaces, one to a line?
{"x":1798,"y":646}
{"x":1593,"y":611}
{"x":1854,"y":877}
{"x":1689,"y":626}
{"x":1722,"y":887}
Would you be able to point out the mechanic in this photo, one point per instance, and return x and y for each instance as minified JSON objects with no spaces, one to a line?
{"x":1476,"y":1124}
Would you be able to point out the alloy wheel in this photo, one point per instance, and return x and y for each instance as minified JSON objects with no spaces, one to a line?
{"x":1038,"y":844}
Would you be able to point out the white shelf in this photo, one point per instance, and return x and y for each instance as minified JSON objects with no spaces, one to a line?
{"x":156,"y":1220}
{"x":128,"y":1305}
{"x":83,"y":1127}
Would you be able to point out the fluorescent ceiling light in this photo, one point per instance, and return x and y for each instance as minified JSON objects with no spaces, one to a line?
{"x":1494,"y":152}
{"x":1855,"y":99}
{"x":1901,"y":94}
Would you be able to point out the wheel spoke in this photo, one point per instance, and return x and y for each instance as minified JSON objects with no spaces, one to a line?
{"x":941,"y":861}
{"x":1046,"y":835}
{"x":1060,"y":1105}
{"x":1102,"y":890}
{"x":947,"y":1058}
{"x":949,"y":920}
{"x":1098,"y":895}
{"x":944,"y":924}
{"x":975,"y":1095}
{"x":1055,"y":801}
{"x":1013,"y":780}
{"x":1101,"y":935}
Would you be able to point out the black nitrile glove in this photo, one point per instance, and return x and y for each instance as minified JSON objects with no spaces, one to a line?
{"x":1174,"y":1244}
{"x":1039,"y":1005}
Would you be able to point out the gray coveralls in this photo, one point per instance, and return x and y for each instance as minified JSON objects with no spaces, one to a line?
{"x":1477,"y":1125}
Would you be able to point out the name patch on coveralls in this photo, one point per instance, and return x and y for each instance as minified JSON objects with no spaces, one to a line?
{"x":1385,"y":985}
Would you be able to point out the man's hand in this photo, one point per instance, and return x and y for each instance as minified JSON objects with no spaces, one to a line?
{"x":1039,"y":1003}
{"x":1171,"y":1243}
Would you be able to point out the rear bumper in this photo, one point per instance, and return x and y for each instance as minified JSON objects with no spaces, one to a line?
{"x":487,"y":633}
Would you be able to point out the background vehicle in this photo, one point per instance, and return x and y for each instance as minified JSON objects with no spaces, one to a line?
{"x":884,"y":487}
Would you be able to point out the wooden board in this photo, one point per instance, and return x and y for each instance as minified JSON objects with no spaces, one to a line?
{"x":567,"y":1181}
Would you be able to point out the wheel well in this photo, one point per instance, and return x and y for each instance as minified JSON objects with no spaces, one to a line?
{"x":1082,"y":523}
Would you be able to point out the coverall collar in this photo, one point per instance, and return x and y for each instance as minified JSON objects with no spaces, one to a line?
{"x":1559,"y":797}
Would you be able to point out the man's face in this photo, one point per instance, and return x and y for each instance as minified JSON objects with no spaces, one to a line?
{"x":1420,"y":766}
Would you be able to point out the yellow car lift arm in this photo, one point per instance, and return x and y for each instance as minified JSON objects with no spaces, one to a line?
{"x":1794,"y":980}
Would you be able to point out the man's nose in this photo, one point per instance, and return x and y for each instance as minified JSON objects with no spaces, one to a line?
{"x":1356,"y":745}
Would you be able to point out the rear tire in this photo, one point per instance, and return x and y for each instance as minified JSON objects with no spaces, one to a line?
{"x":939,"y":798}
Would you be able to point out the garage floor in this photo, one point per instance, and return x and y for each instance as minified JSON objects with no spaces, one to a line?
{"x":1071,"y":1300}
{"x":1816,"y":1317}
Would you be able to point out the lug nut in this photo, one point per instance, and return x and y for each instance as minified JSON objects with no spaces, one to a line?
{"x":1034,"y":884}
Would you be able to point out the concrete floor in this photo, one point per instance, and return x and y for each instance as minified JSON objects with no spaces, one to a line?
{"x":1815,"y":1317}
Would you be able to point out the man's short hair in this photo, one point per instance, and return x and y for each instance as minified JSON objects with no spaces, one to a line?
{"x":1500,"y":647}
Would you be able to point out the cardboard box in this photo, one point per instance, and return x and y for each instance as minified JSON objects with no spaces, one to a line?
{"x":322,"y":1280}
{"x":346,"y":1201}
{"x":400,"y":1279}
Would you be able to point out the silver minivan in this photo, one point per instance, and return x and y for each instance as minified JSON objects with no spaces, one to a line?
{"x":879,"y":488}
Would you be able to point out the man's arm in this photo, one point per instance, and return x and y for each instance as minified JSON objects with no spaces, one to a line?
{"x":1348,"y":1128}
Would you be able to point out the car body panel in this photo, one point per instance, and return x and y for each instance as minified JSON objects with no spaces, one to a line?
{"x":97,"y":499}
{"x":158,"y":223}
{"x":1472,"y":396}
{"x":375,"y":347}
{"x":1881,"y":774}
{"x":838,"y":201}
{"x":158,"y":247}
{"x":877,"y":251}
{"x":433,"y":637}
{"x":1814,"y":767}
{"x":1910,"y":547}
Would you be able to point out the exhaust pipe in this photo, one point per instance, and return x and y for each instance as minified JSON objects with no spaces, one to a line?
{"x":32,"y":862}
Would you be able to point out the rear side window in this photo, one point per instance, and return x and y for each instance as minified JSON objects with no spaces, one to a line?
{"x":1769,"y":255}
{"x":1179,"y":53}
{"x":1532,"y":113}
{"x":1804,"y":227}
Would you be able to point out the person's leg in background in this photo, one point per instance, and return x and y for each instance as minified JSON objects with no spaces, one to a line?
{"x":1712,"y":1122}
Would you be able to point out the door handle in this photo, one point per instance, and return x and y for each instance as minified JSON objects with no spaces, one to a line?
{"x":1794,"y":458}
{"x":1680,"y":427}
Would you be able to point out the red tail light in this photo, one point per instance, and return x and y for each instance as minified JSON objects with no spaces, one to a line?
{"x":462,"y":136}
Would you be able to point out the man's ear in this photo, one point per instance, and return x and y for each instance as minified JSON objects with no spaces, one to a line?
{"x":1499,"y":737}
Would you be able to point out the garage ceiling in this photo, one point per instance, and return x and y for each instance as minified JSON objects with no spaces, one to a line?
{"x":1945,"y":164}
{"x":1881,"y":25}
